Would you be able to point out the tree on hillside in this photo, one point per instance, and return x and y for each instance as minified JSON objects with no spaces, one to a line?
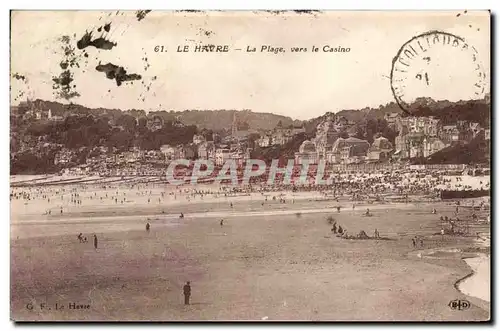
{"x":243,"y":125}
{"x":128,"y":122}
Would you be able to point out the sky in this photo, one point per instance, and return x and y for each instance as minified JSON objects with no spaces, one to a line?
{"x":299,"y":85}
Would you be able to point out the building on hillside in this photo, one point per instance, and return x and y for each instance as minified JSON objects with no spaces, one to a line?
{"x":131,"y":156}
{"x":240,"y":156}
{"x":332,"y":157}
{"x":341,"y":123}
{"x":55,"y":118}
{"x":64,"y":156}
{"x":198,"y":139}
{"x":206,"y":150}
{"x":298,"y":130}
{"x":34,"y":110}
{"x":428,"y":126}
{"x":474,"y":128}
{"x":155,"y":123}
{"x":409,"y":145}
{"x":432,"y":145}
{"x":392,"y":120}
{"x":265,"y":140}
{"x":222,"y":154}
{"x":415,"y":142}
{"x":350,"y":150}
{"x":179,"y":152}
{"x":177,"y":122}
{"x":168,"y":151}
{"x":281,"y":137}
{"x":216,"y":138}
{"x":450,"y":133}
{"x":238,"y":132}
{"x":307,"y":153}
{"x":380,"y":150}
{"x":352,"y":131}
{"x":190,"y":151}
{"x":329,"y":131}
{"x":326,"y":136}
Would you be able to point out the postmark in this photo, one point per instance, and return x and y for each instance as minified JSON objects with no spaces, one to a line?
{"x":439,"y":66}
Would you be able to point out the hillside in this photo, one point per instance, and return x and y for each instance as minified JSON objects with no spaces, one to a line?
{"x":448,"y":112}
{"x":223,"y":119}
{"x":476,"y":151}
{"x":211,"y":119}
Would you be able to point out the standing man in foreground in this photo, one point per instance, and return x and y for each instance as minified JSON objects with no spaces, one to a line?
{"x":187,"y":293}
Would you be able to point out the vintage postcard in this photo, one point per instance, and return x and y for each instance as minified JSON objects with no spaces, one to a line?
{"x":296,"y":165}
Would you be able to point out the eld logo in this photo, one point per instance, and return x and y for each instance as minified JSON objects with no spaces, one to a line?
{"x":459,"y":304}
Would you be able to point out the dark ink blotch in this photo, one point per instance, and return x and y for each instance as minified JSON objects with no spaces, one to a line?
{"x":99,"y":43}
{"x":306,"y":11}
{"x":18,"y":76}
{"x":117,"y":73}
{"x":141,"y":14}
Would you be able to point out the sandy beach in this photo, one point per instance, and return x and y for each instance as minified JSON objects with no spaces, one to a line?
{"x":270,"y":260}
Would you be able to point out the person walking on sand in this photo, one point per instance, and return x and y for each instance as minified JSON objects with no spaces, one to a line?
{"x":95,"y":241}
{"x":187,"y":293}
{"x":414,"y":242}
{"x":221,"y":223}
{"x":148,"y":226}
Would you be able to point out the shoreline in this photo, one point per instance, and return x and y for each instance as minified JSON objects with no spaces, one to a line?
{"x":473,"y":290}
{"x":472,"y":284}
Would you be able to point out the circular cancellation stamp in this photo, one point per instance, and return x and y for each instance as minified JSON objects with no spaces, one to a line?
{"x":439,"y":66}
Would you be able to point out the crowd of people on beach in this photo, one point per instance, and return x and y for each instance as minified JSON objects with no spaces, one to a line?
{"x":357,"y":187}
{"x":341,"y":232}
